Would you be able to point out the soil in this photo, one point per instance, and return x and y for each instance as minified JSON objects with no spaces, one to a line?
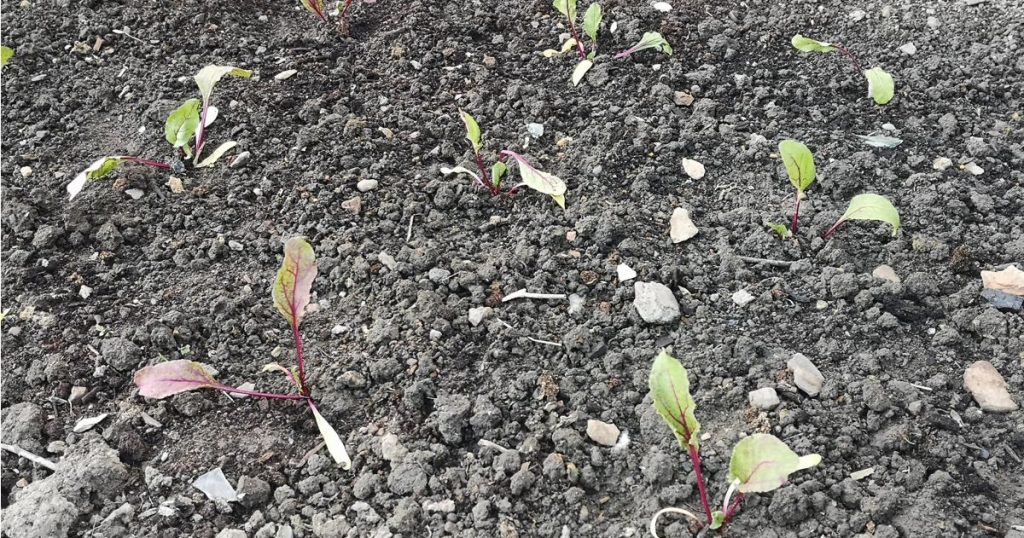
{"x":392,"y":353}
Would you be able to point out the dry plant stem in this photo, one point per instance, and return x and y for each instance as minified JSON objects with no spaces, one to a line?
{"x":766,"y":261}
{"x":846,"y":52}
{"x":147,"y":162}
{"x":39,"y":460}
{"x":268,"y":395}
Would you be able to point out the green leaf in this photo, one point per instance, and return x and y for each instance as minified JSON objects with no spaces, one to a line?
{"x":294,"y":280}
{"x":498,"y":170}
{"x":211,"y":159}
{"x":717,"y":519}
{"x":181,"y":124}
{"x":799,"y":163}
{"x":762,"y":462}
{"x":581,"y":71}
{"x":95,"y":170}
{"x":880,"y":85}
{"x":780,"y":229}
{"x":537,"y":180}
{"x":559,"y":199}
{"x":6,"y":53}
{"x":670,"y":391}
{"x":650,"y":40}
{"x":807,"y":44}
{"x":872,"y":207}
{"x":208,"y":77}
{"x":592,"y":20}
{"x":566,"y":8}
{"x":472,"y":130}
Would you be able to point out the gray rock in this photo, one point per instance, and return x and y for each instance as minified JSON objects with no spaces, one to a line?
{"x":446,"y":506}
{"x":438,"y":275}
{"x":407,"y":478}
{"x":241,"y":160}
{"x":109,"y":236}
{"x":452,"y":417}
{"x":253,"y":491}
{"x":365,"y":185}
{"x":602,"y":433}
{"x":232,"y":533}
{"x":764,"y":398}
{"x":789,"y":506}
{"x":22,"y":425}
{"x":655,"y":302}
{"x":391,"y":448}
{"x":45,"y":236}
{"x":875,"y":396}
{"x":1002,"y":300}
{"x":478,"y":314}
{"x":805,"y":374}
{"x":366,"y":485}
{"x":988,"y":388}
{"x":40,"y":511}
{"x":120,"y":353}
{"x":522,"y":481}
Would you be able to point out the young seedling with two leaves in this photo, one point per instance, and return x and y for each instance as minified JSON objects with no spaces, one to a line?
{"x":533,"y":178}
{"x":759,"y":462}
{"x":591,"y":23}
{"x":291,"y":294}
{"x":799,"y":162}
{"x":189,"y":121}
{"x":881,"y":87}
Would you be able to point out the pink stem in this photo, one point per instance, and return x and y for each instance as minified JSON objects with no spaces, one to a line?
{"x":846,"y":52}
{"x":268,"y":395}
{"x":344,"y":9}
{"x":298,"y":356}
{"x":734,"y":506}
{"x":796,"y":215}
{"x":147,"y":162}
{"x":485,"y":181}
{"x":579,"y":44}
{"x":833,"y":229}
{"x":701,"y":488}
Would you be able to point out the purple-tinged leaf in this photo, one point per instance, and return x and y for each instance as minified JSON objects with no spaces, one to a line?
{"x":295,"y":280}
{"x":170,"y":378}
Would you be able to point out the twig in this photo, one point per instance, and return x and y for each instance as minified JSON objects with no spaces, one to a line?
{"x":39,"y":460}
{"x":545,"y":342}
{"x":309,"y":454}
{"x":523,"y":294}
{"x":766,"y":261}
{"x":408,"y":234}
{"x":491,"y":444}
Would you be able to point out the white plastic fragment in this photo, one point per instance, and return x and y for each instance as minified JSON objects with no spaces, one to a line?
{"x":523,"y":294}
{"x":215,"y":486}
{"x":285,"y":75}
{"x":87,"y":424}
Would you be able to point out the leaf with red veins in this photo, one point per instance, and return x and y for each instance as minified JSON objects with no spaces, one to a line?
{"x":294,"y":280}
{"x":172,"y":377}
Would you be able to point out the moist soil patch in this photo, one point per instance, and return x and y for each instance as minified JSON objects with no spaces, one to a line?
{"x":409,"y":382}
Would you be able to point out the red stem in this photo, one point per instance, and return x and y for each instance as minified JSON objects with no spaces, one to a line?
{"x":846,"y":52}
{"x":147,"y":162}
{"x":695,"y":458}
{"x":298,"y":356}
{"x":796,"y":215}
{"x":734,"y":506}
{"x":828,"y":233}
{"x":485,"y":180}
{"x":268,"y":395}
{"x":579,"y":44}
{"x":344,"y":9}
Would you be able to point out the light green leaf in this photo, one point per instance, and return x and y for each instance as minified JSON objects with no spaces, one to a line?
{"x":807,"y":44}
{"x":181,"y":124}
{"x":217,"y":154}
{"x":294,"y":280}
{"x":334,"y":444}
{"x":559,"y":199}
{"x":208,"y":77}
{"x":799,"y":163}
{"x":581,"y":71}
{"x":780,"y":229}
{"x":872,"y":207}
{"x":460,"y":170}
{"x":498,"y":170}
{"x":95,"y":170}
{"x":670,"y":391}
{"x":762,"y":462}
{"x":717,"y":519}
{"x":567,"y":8}
{"x":592,"y":20}
{"x":880,"y":85}
{"x":6,"y":53}
{"x":472,"y":130}
{"x":650,"y":40}
{"x":537,"y":180}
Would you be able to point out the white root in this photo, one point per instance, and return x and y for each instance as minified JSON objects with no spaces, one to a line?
{"x":654,"y":520}
{"x":523,"y":294}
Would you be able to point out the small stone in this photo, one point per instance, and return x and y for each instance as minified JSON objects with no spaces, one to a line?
{"x":693,"y":168}
{"x":1002,"y":300}
{"x":858,"y":15}
{"x":235,"y":246}
{"x":392,"y":449}
{"x":933,"y":23}
{"x":353,"y":379}
{"x":446,"y":506}
{"x":25,"y":171}
{"x":625,"y":272}
{"x":988,"y":387}
{"x":285,"y":75}
{"x":437,"y":275}
{"x":241,"y":160}
{"x":536,"y":130}
{"x":387,"y":260}
{"x":435,"y":334}
{"x":655,"y":302}
{"x":742,"y":298}
{"x":909,"y":49}
{"x":885,"y":272}
{"x":602,"y":433}
{"x":765,"y":398}
{"x":575,"y":304}
{"x":478,"y":314}
{"x":365,"y":185}
{"x":683,"y":99}
{"x":490,"y":61}
{"x":84,"y":292}
{"x":973,"y":169}
{"x":253,"y":492}
{"x":681,"y":227}
{"x":174,"y":183}
{"x":806,"y":375}
{"x":135,"y":193}
{"x":353,"y":205}
{"x":942,"y":163}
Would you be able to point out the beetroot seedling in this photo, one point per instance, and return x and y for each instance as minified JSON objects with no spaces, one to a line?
{"x":185,"y":123}
{"x":800,"y":168}
{"x":880,"y":84}
{"x":291,"y":294}
{"x":868,"y":207}
{"x":759,"y":463}
{"x":531,"y":177}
